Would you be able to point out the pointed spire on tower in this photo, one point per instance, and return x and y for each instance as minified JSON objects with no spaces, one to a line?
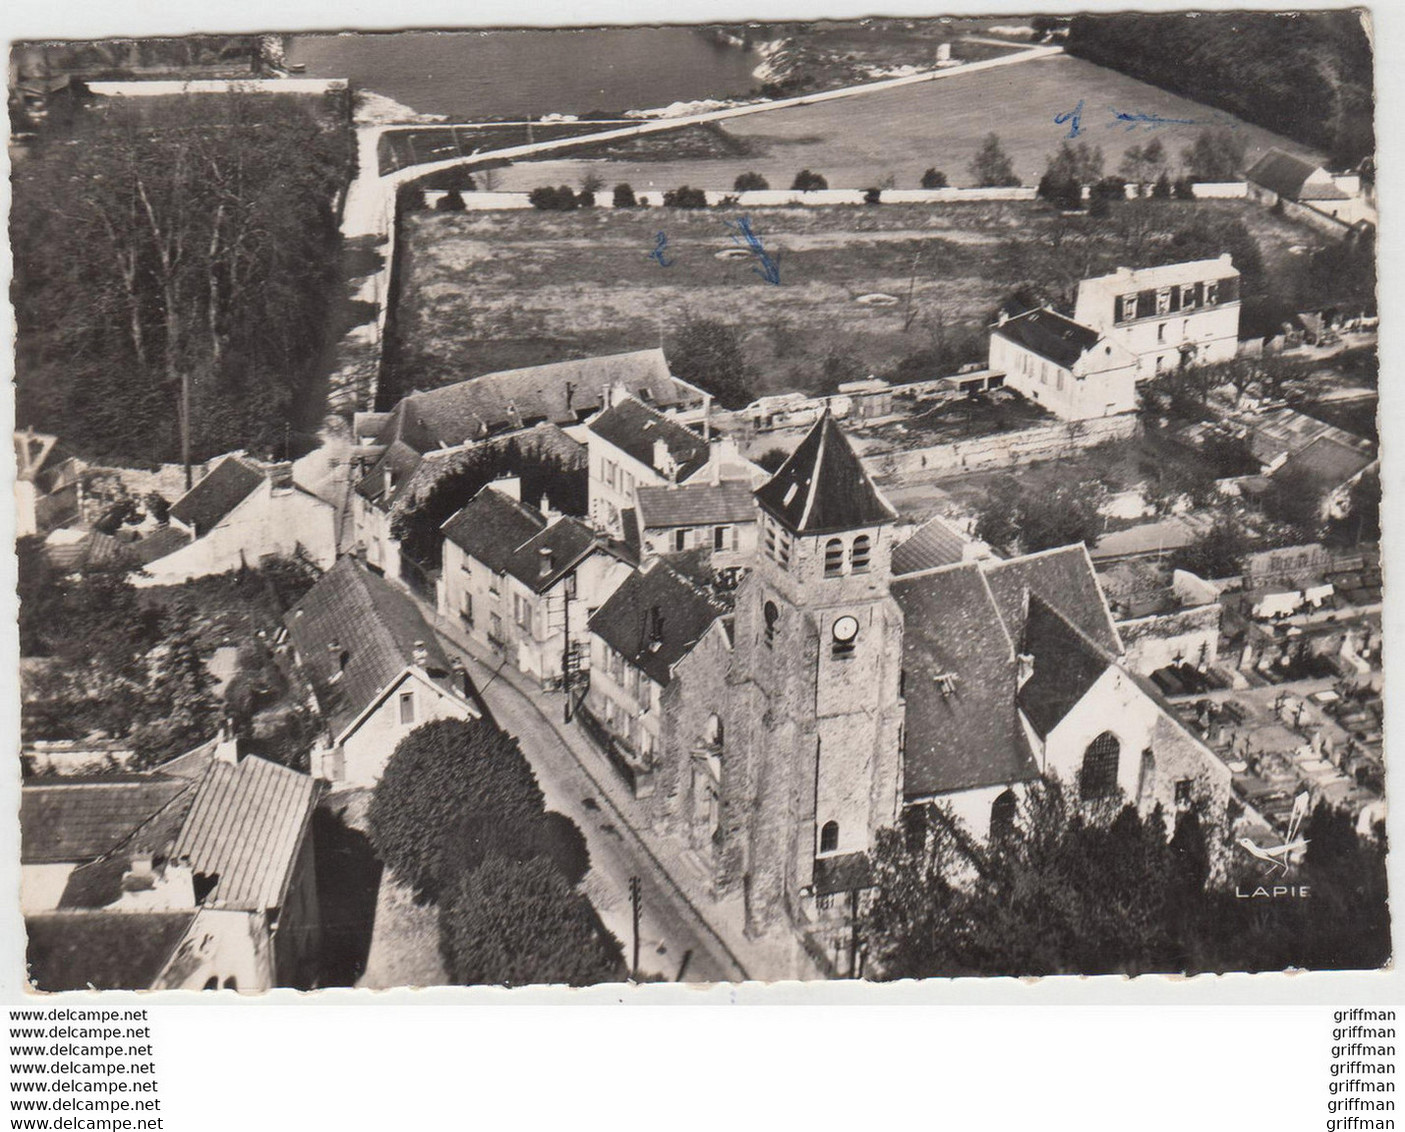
{"x":823,"y":486}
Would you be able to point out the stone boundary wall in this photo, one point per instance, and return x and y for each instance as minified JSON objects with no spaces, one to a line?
{"x":1003,"y":449}
{"x":767,"y":198}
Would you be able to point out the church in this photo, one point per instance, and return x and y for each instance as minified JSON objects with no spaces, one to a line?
{"x":840,"y":691}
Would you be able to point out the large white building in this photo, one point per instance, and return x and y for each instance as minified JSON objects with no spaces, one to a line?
{"x":1169,"y":316}
{"x":1071,"y":369}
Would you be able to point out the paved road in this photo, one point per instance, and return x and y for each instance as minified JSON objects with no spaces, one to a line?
{"x":674,"y":937}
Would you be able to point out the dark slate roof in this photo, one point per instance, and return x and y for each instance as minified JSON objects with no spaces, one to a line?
{"x":695,"y":505}
{"x":158,"y":544}
{"x":376,"y":626}
{"x":1281,"y":173}
{"x":822,"y":486}
{"x":105,"y":950}
{"x":1325,"y":464}
{"x":656,"y":602}
{"x":81,"y":819}
{"x":400,"y":460}
{"x":972,"y":736}
{"x":228,"y":484}
{"x":1064,"y":578}
{"x":930,"y":545}
{"x":509,"y":537}
{"x":562,"y":393}
{"x":1066,"y":665}
{"x":94,"y":550}
{"x":1050,"y":335}
{"x":245,"y":826}
{"x":634,"y":427}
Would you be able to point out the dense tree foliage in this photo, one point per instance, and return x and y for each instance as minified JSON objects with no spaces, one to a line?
{"x":1307,"y":75}
{"x":1013,"y":518}
{"x":439,"y":773}
{"x":545,"y":474}
{"x":807,"y":181}
{"x":1071,"y":890}
{"x":934,"y":179}
{"x":709,"y":353}
{"x":623,"y":196}
{"x":685,"y":197}
{"x":750,"y":182}
{"x":1218,"y":553}
{"x":992,"y":167}
{"x":1215,"y":155}
{"x":548,"y":198}
{"x":513,"y":923}
{"x":180,"y":250}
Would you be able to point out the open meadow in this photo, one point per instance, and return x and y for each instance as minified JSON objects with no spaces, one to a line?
{"x":899,"y":133}
{"x":486,"y":291}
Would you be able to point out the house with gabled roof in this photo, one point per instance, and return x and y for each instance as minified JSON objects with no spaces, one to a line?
{"x":1282,"y":176}
{"x":1168,"y":316}
{"x":632,"y":445}
{"x":241,"y":513}
{"x":196,"y":875}
{"x":526,"y":583}
{"x":1074,"y":371}
{"x":48,"y":483}
{"x":643,"y":641}
{"x":375,"y":669}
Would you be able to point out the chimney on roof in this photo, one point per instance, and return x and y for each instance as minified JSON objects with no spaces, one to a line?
{"x":663,"y":461}
{"x":227,"y":745}
{"x":340,"y":656}
{"x":547,"y":562}
{"x":655,"y":628}
{"x":570,"y":396}
{"x":420,"y":655}
{"x":388,"y":478}
{"x":549,"y":513}
{"x":459,"y":672}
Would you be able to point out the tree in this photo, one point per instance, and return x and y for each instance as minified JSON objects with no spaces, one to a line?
{"x":806,"y":181}
{"x":1061,"y":191}
{"x":1217,"y":154}
{"x":1218,"y":553}
{"x":992,"y":167}
{"x":685,"y":197}
{"x":180,"y":710}
{"x":514,"y":923}
{"x":750,"y":182}
{"x":439,"y":773}
{"x":772,"y":459}
{"x":934,"y":179}
{"x":192,"y":246}
{"x":591,"y":183}
{"x":412,"y":198}
{"x":451,"y":201}
{"x":1162,"y":189}
{"x":561,"y":198}
{"x":1011,"y":517}
{"x":1295,"y":498}
{"x":1104,"y":194}
{"x":623,"y":196}
{"x":709,"y":353}
{"x":998,"y":518}
{"x":477,"y":835}
{"x":1078,"y":162}
{"x":873,"y":196}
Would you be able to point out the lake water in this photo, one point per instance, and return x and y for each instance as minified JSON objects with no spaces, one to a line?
{"x":514,"y":74}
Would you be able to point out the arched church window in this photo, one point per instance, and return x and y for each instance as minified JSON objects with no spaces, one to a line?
{"x":833,"y":558}
{"x":770,"y":614}
{"x":212,"y":983}
{"x":858,"y":557}
{"x":1098,"y":776}
{"x":829,"y":837}
{"x":1002,"y":815}
{"x":712,"y":733}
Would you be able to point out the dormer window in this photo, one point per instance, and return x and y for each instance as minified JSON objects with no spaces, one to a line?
{"x":1212,"y":293}
{"x":1128,"y":308}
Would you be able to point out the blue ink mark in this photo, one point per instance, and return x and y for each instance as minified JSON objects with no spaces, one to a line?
{"x":660,"y":245}
{"x":769,"y":269}
{"x":1150,"y":121}
{"x":1073,"y":118}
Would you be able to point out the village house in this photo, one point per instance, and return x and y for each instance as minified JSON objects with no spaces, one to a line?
{"x":526,"y":583}
{"x":1070,"y":369}
{"x":48,"y":484}
{"x":1280,"y":176}
{"x":1170,"y":316}
{"x":197,"y":875}
{"x":718,"y":518}
{"x":241,"y":513}
{"x":375,"y":669}
{"x":631,"y":445}
{"x":937,"y":542}
{"x":643,"y":640}
{"x":1313,"y":456}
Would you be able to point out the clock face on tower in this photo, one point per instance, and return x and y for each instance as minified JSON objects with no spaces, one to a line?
{"x":846,"y":628}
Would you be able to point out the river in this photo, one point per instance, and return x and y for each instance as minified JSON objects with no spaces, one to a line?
{"x":514,"y":74}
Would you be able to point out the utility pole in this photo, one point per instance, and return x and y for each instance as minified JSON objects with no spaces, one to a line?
{"x":567,"y":672}
{"x":185,"y":426}
{"x":634,"y":900}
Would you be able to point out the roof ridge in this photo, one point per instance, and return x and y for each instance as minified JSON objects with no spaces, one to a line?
{"x":1098,"y":650}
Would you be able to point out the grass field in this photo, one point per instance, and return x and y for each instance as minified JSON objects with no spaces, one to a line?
{"x":857,"y":142}
{"x":495,"y":290}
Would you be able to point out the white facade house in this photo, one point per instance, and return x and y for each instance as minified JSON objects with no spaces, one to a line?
{"x":239,"y":514}
{"x":526,"y":583}
{"x":375,"y":669}
{"x":1072,"y":370}
{"x":1169,"y":316}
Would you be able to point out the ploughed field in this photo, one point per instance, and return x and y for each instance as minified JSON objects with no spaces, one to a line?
{"x":486,"y":291}
{"x":861,"y":141}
